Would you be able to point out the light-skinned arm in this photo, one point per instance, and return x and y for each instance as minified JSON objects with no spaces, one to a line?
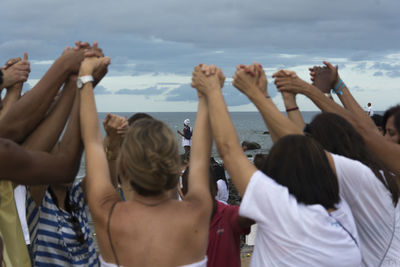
{"x":388,"y":152}
{"x":292,"y":109}
{"x":100,"y":191}
{"x":276,"y":122}
{"x":225,"y":136}
{"x":199,"y":175}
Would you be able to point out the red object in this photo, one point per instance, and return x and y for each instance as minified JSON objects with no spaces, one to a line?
{"x":224,"y":237}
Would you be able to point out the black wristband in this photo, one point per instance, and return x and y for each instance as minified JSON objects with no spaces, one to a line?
{"x":1,"y":77}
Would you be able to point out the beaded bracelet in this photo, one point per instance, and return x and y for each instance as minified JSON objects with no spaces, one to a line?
{"x":339,"y":87}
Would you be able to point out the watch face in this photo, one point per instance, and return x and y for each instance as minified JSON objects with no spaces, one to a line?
{"x":79,"y":83}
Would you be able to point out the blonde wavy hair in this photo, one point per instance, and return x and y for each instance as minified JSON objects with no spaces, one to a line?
{"x":149,"y":157}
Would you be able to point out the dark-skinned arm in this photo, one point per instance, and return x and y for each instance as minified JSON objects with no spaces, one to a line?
{"x":28,"y":111}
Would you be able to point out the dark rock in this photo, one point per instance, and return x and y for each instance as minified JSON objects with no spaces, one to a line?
{"x":266,"y":132}
{"x":251,"y":145}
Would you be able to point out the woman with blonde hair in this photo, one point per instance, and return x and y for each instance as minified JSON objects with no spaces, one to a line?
{"x":150,"y":228}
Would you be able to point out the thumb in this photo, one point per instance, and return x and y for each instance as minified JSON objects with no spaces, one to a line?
{"x":25,"y":56}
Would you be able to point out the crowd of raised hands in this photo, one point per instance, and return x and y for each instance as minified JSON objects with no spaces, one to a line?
{"x":138,"y":162}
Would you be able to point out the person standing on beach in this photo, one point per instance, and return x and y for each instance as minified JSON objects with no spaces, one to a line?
{"x":186,"y":136}
{"x":370,"y":111}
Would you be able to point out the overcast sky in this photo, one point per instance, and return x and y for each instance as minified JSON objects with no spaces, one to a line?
{"x":154,"y":44}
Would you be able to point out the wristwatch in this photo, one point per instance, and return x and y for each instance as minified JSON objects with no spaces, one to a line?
{"x":84,"y":79}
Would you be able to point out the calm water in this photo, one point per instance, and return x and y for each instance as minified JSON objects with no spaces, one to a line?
{"x":249,"y":126}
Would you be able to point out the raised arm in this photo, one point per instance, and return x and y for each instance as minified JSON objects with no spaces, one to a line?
{"x":199,"y":186}
{"x":26,"y":113}
{"x":388,"y":152}
{"x":226,"y":139}
{"x":292,"y":109}
{"x":100,"y":191}
{"x":276,"y":122}
{"x":115,"y":127}
{"x":328,"y":76}
{"x":12,"y":95}
{"x":46,"y":135}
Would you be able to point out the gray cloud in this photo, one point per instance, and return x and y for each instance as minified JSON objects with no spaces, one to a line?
{"x":157,"y":36}
{"x":127,"y":28}
{"x":378,"y":73}
{"x":182,"y":93}
{"x":393,"y":74}
{"x":145,"y":92}
{"x":101,"y":90}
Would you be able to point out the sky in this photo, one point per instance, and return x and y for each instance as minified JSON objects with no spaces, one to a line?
{"x":155,"y":44}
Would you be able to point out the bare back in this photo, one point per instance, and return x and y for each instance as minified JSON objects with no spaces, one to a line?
{"x":172,"y":233}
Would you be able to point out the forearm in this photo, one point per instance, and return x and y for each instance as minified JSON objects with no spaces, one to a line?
{"x":352,"y":105}
{"x":112,"y":151}
{"x":273,"y":118}
{"x":46,"y":135}
{"x":12,"y":95}
{"x":325,"y":104}
{"x":71,"y":145}
{"x":227,"y":142}
{"x":24,"y":115}
{"x":200,"y":152}
{"x":99,"y":188}
{"x":293,"y":111}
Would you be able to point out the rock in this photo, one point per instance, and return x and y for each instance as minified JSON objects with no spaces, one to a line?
{"x":266,"y":132}
{"x":250,"y":145}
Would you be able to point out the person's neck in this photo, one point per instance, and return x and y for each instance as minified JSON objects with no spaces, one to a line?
{"x":151,"y":201}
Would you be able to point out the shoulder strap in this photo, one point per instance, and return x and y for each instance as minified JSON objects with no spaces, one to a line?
{"x":109,"y":234}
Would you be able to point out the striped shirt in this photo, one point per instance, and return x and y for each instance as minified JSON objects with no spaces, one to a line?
{"x":53,"y":238}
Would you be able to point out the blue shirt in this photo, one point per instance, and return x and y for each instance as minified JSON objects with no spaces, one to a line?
{"x":54,"y":239}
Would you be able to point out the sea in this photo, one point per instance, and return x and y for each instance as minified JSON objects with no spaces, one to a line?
{"x":249,"y":126}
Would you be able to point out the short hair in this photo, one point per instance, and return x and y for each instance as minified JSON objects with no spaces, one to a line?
{"x":149,"y":157}
{"x":338,"y":136}
{"x":138,"y":116}
{"x":299,"y":163}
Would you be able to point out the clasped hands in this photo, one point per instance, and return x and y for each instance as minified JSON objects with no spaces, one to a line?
{"x":250,"y":80}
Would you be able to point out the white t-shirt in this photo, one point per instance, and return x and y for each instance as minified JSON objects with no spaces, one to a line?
{"x":222,"y":194}
{"x":375,"y":216}
{"x":370,"y":111}
{"x":293,"y":234}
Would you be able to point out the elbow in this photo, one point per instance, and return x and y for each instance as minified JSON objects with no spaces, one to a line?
{"x":225,"y":151}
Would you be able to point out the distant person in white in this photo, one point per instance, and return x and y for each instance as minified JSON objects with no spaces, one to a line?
{"x":302,"y":220}
{"x":186,"y":136}
{"x":370,"y":111}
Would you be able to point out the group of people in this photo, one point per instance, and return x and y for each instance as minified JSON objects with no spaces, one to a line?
{"x":326,"y":195}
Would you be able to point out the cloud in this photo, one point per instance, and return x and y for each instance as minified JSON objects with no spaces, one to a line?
{"x":393,"y":74}
{"x":378,"y":73}
{"x":145,"y":92}
{"x":101,"y":90}
{"x":183,"y":93}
